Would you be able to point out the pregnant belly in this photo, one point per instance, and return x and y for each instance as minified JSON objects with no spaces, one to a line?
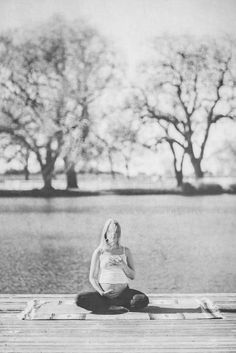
{"x":116,"y":287}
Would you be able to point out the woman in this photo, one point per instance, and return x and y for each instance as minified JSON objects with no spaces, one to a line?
{"x":111,"y":269}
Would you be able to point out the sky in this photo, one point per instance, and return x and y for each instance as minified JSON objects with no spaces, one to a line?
{"x":129,"y":23}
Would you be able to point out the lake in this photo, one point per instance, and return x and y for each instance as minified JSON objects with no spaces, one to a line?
{"x":179,"y":244}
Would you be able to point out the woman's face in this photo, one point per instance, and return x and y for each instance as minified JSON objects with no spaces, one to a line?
{"x":113,"y":235}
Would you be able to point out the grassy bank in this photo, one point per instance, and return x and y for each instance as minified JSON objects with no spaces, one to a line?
{"x":187,"y":189}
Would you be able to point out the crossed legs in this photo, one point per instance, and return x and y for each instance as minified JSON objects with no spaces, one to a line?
{"x":132,"y":299}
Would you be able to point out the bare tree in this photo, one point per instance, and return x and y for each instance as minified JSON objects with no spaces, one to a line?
{"x":30,"y":100}
{"x":10,"y":152}
{"x":189,"y":87}
{"x":116,"y":136}
{"x":92,"y":70}
{"x":125,"y":133}
{"x":104,"y":148}
{"x":48,"y":80}
{"x":178,"y":153}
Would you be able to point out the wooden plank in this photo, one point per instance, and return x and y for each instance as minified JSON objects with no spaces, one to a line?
{"x":154,"y":295}
{"x":120,"y":336}
{"x":97,"y":338}
{"x":90,"y":348}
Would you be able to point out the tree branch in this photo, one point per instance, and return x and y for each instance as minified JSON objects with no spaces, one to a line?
{"x":211,"y":112}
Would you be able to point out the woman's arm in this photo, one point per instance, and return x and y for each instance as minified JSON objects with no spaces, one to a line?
{"x":94,"y":271}
{"x":128,"y":268}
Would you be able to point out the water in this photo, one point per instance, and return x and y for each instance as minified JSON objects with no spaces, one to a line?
{"x":179,"y":244}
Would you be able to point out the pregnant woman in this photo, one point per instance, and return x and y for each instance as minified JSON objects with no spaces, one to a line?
{"x":111,"y":269}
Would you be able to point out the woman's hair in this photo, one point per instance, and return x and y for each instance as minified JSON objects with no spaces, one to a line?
{"x":104,"y":244}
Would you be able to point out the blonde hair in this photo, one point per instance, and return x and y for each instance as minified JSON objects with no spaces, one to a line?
{"x":104,"y":244}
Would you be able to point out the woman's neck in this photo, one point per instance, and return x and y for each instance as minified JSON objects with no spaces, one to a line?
{"x":114,"y":248}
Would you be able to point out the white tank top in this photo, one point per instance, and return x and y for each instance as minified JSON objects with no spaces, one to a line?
{"x":111,"y":273}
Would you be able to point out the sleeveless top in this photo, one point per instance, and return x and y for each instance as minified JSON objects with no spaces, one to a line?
{"x":111,"y":273}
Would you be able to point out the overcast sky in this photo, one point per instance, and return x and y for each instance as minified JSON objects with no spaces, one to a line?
{"x":129,"y":22}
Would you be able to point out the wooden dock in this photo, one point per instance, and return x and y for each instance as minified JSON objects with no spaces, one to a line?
{"x":119,"y":335}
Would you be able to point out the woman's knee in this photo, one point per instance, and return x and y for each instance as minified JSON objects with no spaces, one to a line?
{"x":91,"y":301}
{"x":139,"y":301}
{"x":84,"y":299}
{"x":81,"y":299}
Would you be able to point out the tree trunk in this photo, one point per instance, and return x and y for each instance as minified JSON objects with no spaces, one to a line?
{"x":48,"y":168}
{"x":47,"y":179}
{"x":71,"y":178}
{"x":26,"y":173}
{"x":178,"y":170}
{"x":127,"y":168}
{"x":179,"y":177}
{"x":26,"y":169}
{"x":196,"y":162}
{"x":111,"y":165}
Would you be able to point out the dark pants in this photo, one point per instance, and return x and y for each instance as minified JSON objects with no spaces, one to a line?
{"x":132,"y":299}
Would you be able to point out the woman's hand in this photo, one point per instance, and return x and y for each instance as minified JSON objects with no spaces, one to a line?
{"x":116,"y":261}
{"x":110,"y":294}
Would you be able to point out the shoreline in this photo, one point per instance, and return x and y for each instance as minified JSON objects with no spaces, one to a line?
{"x":185,"y":191}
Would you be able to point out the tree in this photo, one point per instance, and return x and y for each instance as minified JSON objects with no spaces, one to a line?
{"x":92,"y":70}
{"x":188,"y":87}
{"x":178,"y":153}
{"x":107,"y":150}
{"x":116,"y":135}
{"x":48,"y":80}
{"x":16,"y":153}
{"x":124,"y":132}
{"x":30,"y":100}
